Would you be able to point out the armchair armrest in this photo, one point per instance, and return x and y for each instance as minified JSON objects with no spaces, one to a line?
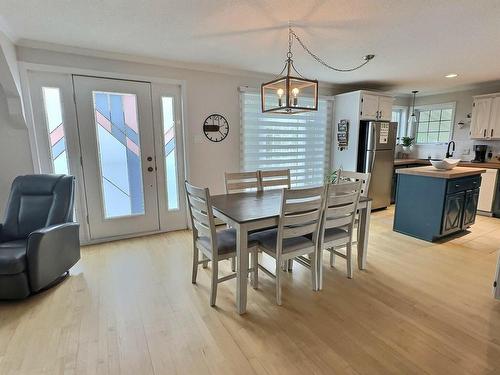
{"x":51,"y":251}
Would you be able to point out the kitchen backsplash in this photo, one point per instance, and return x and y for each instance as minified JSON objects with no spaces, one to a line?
{"x":464,"y":150}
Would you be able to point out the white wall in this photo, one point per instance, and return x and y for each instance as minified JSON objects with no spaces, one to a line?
{"x":15,"y":154}
{"x":464,"y":145}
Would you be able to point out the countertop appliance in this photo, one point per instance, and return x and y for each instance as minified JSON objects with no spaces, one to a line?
{"x":480,"y":153}
{"x":377,"y":141}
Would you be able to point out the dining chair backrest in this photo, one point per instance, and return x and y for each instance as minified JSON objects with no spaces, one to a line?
{"x":200,"y":210}
{"x":275,"y":179}
{"x":357,"y":176}
{"x":341,"y":204}
{"x":300,"y":213}
{"x":242,"y":181}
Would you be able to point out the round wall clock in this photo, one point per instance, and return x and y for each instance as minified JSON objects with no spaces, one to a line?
{"x":216,"y":127}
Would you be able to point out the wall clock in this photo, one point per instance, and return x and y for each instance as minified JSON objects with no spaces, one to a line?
{"x":216,"y":127}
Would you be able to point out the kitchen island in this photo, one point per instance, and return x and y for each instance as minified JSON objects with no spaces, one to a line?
{"x":431,"y":203}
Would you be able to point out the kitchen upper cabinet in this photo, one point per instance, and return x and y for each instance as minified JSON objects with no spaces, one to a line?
{"x":376,"y":107}
{"x":495,"y":118}
{"x":485,"y":122}
{"x":369,"y":107}
{"x":385,"y":108}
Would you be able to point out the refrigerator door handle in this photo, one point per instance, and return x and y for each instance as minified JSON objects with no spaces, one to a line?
{"x":370,"y":161}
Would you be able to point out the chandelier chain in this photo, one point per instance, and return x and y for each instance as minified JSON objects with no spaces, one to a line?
{"x":292,"y":34}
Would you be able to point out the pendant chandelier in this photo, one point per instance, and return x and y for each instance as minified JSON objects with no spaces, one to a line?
{"x":292,"y":92}
{"x":412,"y":120}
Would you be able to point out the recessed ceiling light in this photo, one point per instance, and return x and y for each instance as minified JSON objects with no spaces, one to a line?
{"x":451,"y":75}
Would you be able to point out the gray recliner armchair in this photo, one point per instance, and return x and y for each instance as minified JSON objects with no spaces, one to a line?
{"x":39,"y":241}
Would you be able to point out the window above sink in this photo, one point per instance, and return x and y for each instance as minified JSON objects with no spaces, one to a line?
{"x":434,"y":123}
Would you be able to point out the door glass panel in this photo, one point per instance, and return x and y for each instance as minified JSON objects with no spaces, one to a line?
{"x":169,"y":149}
{"x":119,"y":148}
{"x":54,"y":120}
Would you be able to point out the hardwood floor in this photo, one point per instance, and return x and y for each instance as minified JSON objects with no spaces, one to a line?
{"x":129,"y":308}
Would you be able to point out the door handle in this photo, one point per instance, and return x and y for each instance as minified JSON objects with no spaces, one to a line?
{"x":150,"y":158}
{"x":150,"y":169}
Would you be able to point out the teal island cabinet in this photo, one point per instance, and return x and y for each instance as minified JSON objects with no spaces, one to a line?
{"x":432,"y":203}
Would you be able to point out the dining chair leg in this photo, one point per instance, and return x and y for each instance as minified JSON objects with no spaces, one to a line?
{"x":284,"y":266}
{"x":290,"y":265}
{"x":332,"y":258}
{"x":319,"y":270}
{"x":215,"y":277}
{"x":233,"y":264}
{"x":255,"y":269}
{"x":195,"y":265}
{"x":349,"y":260}
{"x":314,"y":276}
{"x":205,"y":263}
{"x":278,"y":281}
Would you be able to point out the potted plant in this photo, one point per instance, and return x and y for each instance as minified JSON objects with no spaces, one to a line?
{"x":407,"y":144}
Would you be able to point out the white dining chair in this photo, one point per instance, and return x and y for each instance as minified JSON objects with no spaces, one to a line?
{"x":345,"y":176}
{"x":300,"y":216}
{"x":215,"y":245}
{"x":237,"y":182}
{"x":275,"y":179}
{"x":356,"y":176}
{"x":337,"y":227}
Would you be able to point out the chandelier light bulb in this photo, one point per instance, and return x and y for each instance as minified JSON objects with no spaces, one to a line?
{"x":280,"y":93}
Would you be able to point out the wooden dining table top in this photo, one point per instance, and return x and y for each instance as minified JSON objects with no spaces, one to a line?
{"x":251,"y":206}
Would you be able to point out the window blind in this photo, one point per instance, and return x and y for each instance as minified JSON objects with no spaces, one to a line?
{"x":299,"y":142}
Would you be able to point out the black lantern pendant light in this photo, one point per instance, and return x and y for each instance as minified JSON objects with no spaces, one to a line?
{"x":293,"y":93}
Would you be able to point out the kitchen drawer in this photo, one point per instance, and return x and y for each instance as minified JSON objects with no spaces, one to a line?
{"x":461,"y":184}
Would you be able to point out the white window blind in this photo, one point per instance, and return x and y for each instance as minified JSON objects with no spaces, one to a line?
{"x":299,"y":142}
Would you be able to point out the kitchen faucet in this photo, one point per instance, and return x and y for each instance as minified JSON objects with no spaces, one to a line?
{"x":448,"y":154}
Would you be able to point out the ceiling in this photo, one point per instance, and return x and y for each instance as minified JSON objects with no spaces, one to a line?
{"x":416,"y":43}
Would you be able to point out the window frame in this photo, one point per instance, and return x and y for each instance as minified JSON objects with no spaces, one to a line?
{"x":430,"y":107}
{"x":402,"y":130}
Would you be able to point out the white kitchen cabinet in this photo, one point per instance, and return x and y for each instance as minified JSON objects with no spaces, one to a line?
{"x":375,"y":107}
{"x":485,"y":123}
{"x":495,"y":118}
{"x":487,"y":191}
{"x":385,"y":108}
{"x":369,"y":107}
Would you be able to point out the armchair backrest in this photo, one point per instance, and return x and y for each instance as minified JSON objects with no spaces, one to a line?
{"x":35,"y":202}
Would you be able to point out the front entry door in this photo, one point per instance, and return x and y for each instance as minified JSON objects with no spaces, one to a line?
{"x":116,"y":131}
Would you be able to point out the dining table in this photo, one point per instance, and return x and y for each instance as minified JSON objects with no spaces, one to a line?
{"x":252,"y":211}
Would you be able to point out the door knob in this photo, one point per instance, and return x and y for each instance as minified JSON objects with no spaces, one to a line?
{"x":150,"y":169}
{"x":150,"y":158}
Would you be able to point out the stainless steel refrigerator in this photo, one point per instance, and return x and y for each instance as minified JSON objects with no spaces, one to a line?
{"x":377,"y":141}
